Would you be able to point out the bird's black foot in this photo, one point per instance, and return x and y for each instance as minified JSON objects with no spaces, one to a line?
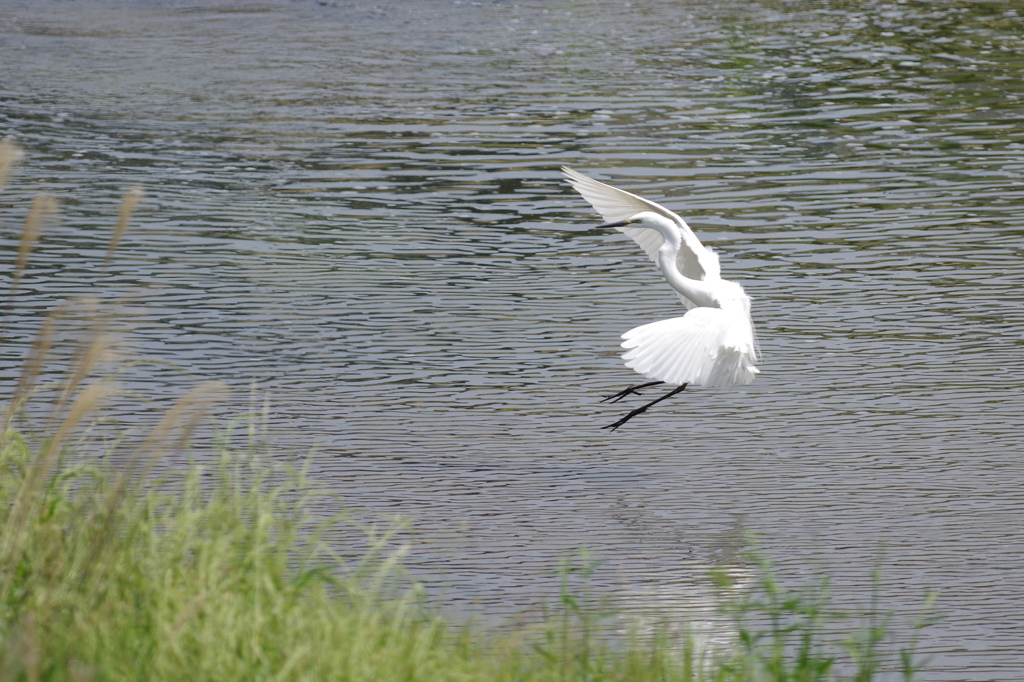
{"x":629,"y":391}
{"x":644,"y":408}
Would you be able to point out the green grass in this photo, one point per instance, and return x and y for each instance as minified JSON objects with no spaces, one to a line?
{"x":230,"y":571}
{"x":220,"y":579}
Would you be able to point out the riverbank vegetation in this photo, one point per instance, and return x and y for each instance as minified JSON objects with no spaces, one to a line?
{"x":231,"y":569}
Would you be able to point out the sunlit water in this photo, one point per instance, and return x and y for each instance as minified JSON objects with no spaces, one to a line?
{"x":357,"y":206}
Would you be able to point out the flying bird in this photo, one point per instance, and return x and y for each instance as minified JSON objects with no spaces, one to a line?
{"x":714,"y":343}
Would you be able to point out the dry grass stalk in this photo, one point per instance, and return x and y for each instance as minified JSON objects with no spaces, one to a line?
{"x":32,"y":368}
{"x":186,"y":413}
{"x":86,"y":402}
{"x":131,"y":200}
{"x":99,"y":348}
{"x":10,"y":154}
{"x":88,"y":357}
{"x":43,"y":206}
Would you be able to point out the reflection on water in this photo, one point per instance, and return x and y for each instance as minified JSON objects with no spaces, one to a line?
{"x":358,"y":207}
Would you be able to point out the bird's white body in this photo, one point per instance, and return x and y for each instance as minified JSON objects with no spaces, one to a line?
{"x":714,"y":343}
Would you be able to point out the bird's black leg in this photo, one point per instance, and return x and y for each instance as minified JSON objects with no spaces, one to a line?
{"x":629,"y":391}
{"x":644,"y":408}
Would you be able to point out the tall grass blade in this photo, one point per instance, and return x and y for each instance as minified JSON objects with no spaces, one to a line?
{"x":129,"y":202}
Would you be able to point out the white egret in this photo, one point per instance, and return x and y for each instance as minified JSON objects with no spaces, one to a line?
{"x":714,"y":343}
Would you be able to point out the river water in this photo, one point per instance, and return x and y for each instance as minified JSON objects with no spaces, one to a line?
{"x":357,"y":206}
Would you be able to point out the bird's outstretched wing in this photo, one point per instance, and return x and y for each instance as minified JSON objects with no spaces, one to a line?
{"x":706,"y":347}
{"x":694,"y":260}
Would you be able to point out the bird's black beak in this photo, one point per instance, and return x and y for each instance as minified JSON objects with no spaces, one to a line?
{"x":618,"y":224}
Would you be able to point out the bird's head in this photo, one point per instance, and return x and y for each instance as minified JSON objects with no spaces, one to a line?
{"x":650,"y":220}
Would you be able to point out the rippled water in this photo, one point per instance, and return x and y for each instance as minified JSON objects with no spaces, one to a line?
{"x":357,"y":206}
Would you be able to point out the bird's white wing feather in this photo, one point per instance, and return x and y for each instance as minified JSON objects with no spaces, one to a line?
{"x":706,"y":347}
{"x":694,"y":260}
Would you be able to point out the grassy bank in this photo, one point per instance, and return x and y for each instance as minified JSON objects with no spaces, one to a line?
{"x":230,"y":571}
{"x":225,"y":575}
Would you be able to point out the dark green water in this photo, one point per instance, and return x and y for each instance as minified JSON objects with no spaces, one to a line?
{"x":357,"y":206}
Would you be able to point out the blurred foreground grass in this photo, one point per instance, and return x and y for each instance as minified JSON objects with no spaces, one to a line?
{"x":108,"y":572}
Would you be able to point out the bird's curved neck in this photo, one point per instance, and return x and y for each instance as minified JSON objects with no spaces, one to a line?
{"x":696,"y":290}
